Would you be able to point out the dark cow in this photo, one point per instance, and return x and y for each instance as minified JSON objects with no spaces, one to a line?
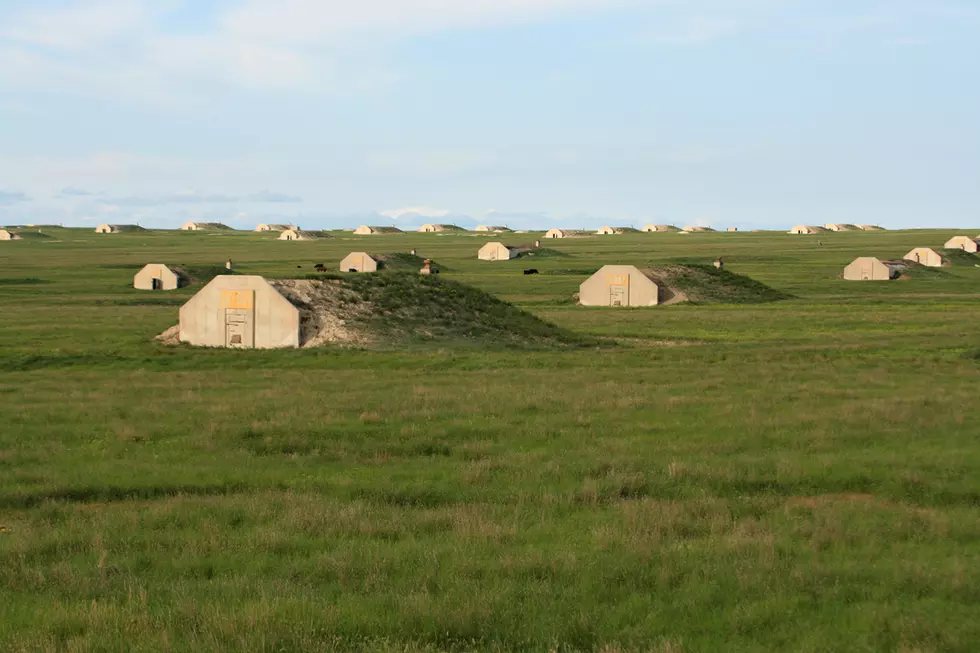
{"x":319,"y":267}
{"x":531,"y":271}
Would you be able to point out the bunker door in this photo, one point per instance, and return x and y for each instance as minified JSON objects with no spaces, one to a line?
{"x":157,"y":284}
{"x":619,"y":290}
{"x":239,"y":333}
{"x":239,"y":316}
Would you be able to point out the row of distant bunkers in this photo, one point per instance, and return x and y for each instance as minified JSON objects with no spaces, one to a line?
{"x":294,"y":232}
{"x":869,"y":268}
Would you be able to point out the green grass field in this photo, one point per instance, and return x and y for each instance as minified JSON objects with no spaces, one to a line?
{"x":802,"y":475}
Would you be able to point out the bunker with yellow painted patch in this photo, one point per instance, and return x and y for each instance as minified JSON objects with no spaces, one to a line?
{"x":241,"y":312}
{"x":619,"y":285}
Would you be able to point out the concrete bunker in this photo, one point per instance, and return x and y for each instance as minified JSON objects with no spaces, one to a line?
{"x":925,"y":256}
{"x":619,"y":285}
{"x":262,"y":228}
{"x":869,"y":268}
{"x":239,"y":312}
{"x":296,"y":234}
{"x":359,"y":262}
{"x":438,"y":228}
{"x":366,"y":230}
{"x":965,"y":243}
{"x":205,"y":226}
{"x":157,"y":276}
{"x":567,"y":233}
{"x":806,"y":230}
{"x":496,"y":251}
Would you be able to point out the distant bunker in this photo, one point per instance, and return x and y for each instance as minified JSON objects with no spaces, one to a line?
{"x":630,"y":286}
{"x":296,"y":234}
{"x":389,"y":262}
{"x":965,"y":243}
{"x":359,"y":262}
{"x":496,"y":251}
{"x":241,"y":312}
{"x":925,"y":256}
{"x":157,"y":276}
{"x":869,"y":268}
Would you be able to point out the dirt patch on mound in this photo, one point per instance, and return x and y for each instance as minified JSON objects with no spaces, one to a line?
{"x":394,"y":308}
{"x":326,"y":311}
{"x":670,"y":296}
{"x":171,"y":336}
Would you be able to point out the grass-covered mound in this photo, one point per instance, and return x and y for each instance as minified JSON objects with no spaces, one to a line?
{"x":959,"y":257}
{"x":913,"y":270}
{"x":705,"y":284}
{"x":542,"y":253}
{"x":30,"y":234}
{"x":199,"y":274}
{"x":392,"y":309}
{"x":404,"y":262}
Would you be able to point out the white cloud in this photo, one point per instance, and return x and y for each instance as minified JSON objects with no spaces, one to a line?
{"x":74,"y":27}
{"x":73,"y":192}
{"x":691,"y":30}
{"x":125,"y":45}
{"x":128,"y":47}
{"x":414,"y":212}
{"x":290,"y":21}
{"x":272,"y":197}
{"x":197,"y":197}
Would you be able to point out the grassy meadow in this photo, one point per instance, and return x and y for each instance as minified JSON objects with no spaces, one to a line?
{"x":802,"y":475}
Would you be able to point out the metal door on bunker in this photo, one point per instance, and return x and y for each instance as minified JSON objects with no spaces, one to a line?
{"x":619,"y":290}
{"x":239,"y":332}
{"x":239,"y":318}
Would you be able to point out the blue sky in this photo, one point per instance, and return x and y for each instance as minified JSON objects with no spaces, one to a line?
{"x":531,"y":113}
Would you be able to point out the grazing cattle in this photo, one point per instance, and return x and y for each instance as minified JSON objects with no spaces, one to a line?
{"x":531,"y":271}
{"x":319,"y":267}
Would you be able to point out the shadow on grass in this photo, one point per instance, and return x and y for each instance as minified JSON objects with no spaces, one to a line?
{"x":115,"y":493}
{"x":143,"y":301}
{"x":23,"y":281}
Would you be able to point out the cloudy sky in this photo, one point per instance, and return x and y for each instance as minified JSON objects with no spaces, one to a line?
{"x":531,"y":113}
